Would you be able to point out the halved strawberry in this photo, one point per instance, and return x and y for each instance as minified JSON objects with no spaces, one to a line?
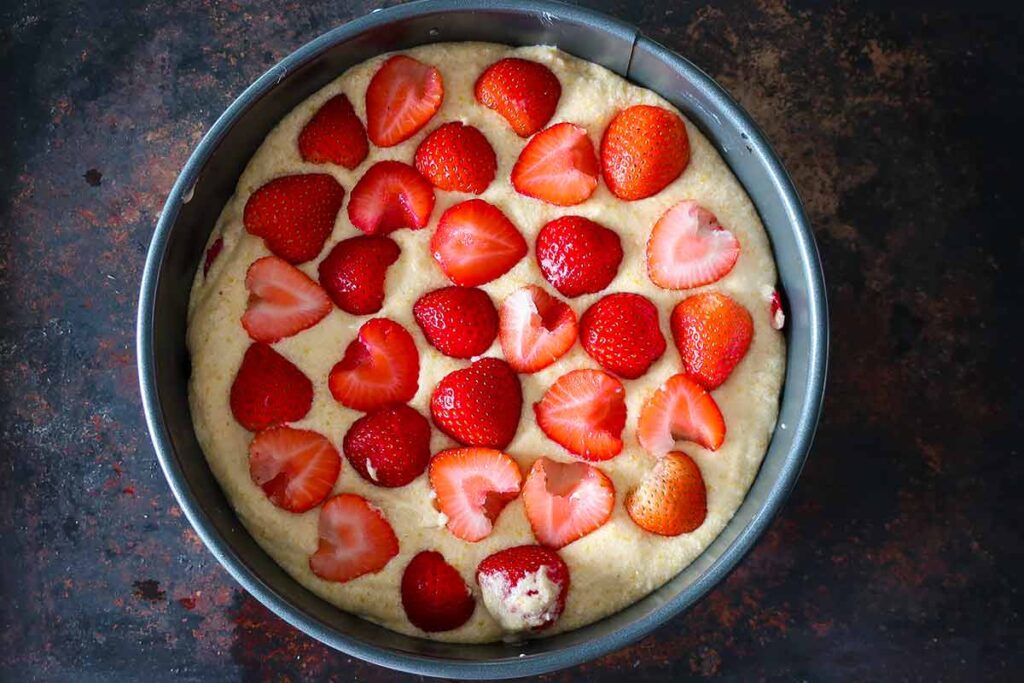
{"x":389,"y":447}
{"x":672,"y":499}
{"x":294,"y":214}
{"x":354,"y":272}
{"x":334,"y":135}
{"x":434,"y":595}
{"x":296,"y":468}
{"x":688,"y":248}
{"x":712,"y":332}
{"x":585,"y":412}
{"x":457,"y":158}
{"x":621,"y":333}
{"x":524,"y":93}
{"x":460,"y":322}
{"x":536,"y":329}
{"x":558,"y":166}
{"x":390,"y":196}
{"x":269,"y":390}
{"x":355,"y":539}
{"x":282,"y":300}
{"x":680,"y":409}
{"x":643,"y":149}
{"x":475,"y":243}
{"x":380,"y":367}
{"x":471,"y":487}
{"x":211,"y":255}
{"x":402,"y":96}
{"x":479,"y":405}
{"x":566,"y":501}
{"x":775,"y":311}
{"x":578,"y":256}
{"x":524,"y":587}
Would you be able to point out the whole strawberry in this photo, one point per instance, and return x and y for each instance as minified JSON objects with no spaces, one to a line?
{"x":389,"y":447}
{"x":269,"y":390}
{"x":643,"y":149}
{"x":578,"y":256}
{"x":479,"y":405}
{"x":712,"y":332}
{"x":334,"y":135}
{"x":294,"y":214}
{"x":354,"y":272}
{"x":434,"y":595}
{"x":524,"y":93}
{"x":460,"y":322}
{"x":621,"y":333}
{"x":457,"y":158}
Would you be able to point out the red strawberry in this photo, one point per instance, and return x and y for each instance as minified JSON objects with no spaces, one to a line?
{"x":380,"y":367}
{"x":434,"y":595}
{"x":524,"y":93}
{"x":577,"y":255}
{"x":680,"y":409}
{"x":282,"y":300}
{"x":458,"y":321}
{"x":389,"y":447}
{"x":334,"y":135}
{"x":211,"y":254}
{"x":688,"y":248}
{"x":536,"y":329}
{"x":268,"y":390}
{"x":354,"y":272}
{"x":671,"y":499}
{"x":402,"y":96}
{"x":471,"y":487}
{"x":457,"y":158}
{"x":294,"y":214}
{"x":475,"y":243}
{"x":778,"y":316}
{"x":355,"y":539}
{"x":566,"y":501}
{"x":712,"y":332}
{"x":558,"y":166}
{"x":296,"y":468}
{"x":585,"y":412}
{"x":643,"y":149}
{"x":524,"y":587}
{"x":390,"y":196}
{"x":621,"y":333}
{"x":479,"y":405}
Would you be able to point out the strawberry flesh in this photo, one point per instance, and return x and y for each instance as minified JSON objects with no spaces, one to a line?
{"x":584,"y":411}
{"x":558,"y":166}
{"x":380,"y":367}
{"x":283,"y":300}
{"x":354,"y":539}
{"x":566,"y":501}
{"x":402,"y":97}
{"x":475,"y":243}
{"x":689,"y":248}
{"x":680,"y":409}
{"x":524,"y":587}
{"x":471,"y":487}
{"x":536,"y":329}
{"x":296,"y":468}
{"x":390,"y":196}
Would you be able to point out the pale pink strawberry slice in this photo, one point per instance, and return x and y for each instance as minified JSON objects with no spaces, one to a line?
{"x":585,"y":412}
{"x":380,"y":367}
{"x":683,"y":410}
{"x":689,"y":248}
{"x":355,"y":539}
{"x":536,"y":329}
{"x":558,"y":166}
{"x":282,"y":300}
{"x":566,"y":501}
{"x":296,"y":468}
{"x":475,"y":243}
{"x":471,"y":487}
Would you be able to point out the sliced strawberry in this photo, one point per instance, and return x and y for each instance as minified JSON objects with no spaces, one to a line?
{"x":211,"y":254}
{"x":282,"y":300}
{"x":578,"y":256}
{"x":775,"y":311}
{"x":334,"y":135}
{"x":457,"y":158}
{"x":296,"y":468}
{"x":294,"y":214}
{"x":268,"y":390}
{"x":558,"y":166}
{"x":460,"y":322}
{"x":536,"y":329}
{"x":471,"y":487}
{"x":389,"y":447}
{"x":712,"y":332}
{"x":585,"y":412}
{"x":680,"y":409}
{"x":524,"y":93}
{"x":380,"y":367}
{"x":621,"y":333}
{"x":524,"y":587}
{"x":475,"y":243}
{"x":354,"y":272}
{"x":355,"y":539}
{"x":479,"y":405}
{"x":390,"y":196}
{"x":566,"y":501}
{"x":688,"y":248}
{"x":671,"y":499}
{"x":402,"y":96}
{"x":643,"y":149}
{"x":434,"y":595}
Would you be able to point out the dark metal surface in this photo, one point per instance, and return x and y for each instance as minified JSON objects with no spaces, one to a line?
{"x":896,"y":558}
